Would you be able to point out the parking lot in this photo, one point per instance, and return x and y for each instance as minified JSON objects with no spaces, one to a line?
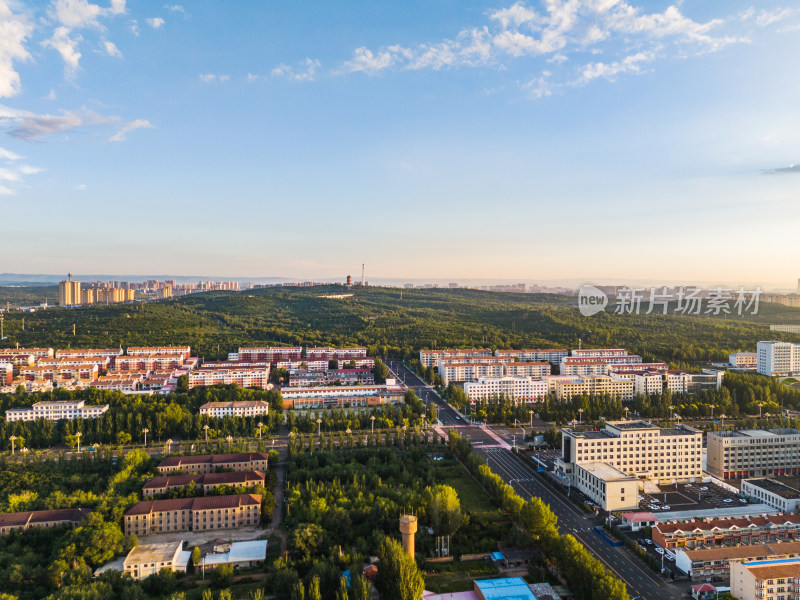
{"x":688,"y":496}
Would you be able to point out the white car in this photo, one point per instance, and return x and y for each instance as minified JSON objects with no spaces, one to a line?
{"x":727,"y":501}
{"x":660,"y":550}
{"x":703,"y":489}
{"x":666,"y":508}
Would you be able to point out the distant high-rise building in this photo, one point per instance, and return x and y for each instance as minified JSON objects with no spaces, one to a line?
{"x":69,"y":292}
{"x":349,"y":281}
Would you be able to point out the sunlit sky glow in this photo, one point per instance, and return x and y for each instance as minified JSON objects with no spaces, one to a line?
{"x":545,"y":139}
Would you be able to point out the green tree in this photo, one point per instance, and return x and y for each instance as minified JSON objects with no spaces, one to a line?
{"x":443,"y":508}
{"x":380,"y":371}
{"x":298,"y":591}
{"x":313,"y":589}
{"x":398,"y":575}
{"x":341,"y":593}
{"x":195,"y":555}
{"x":221,"y":576}
{"x":123,"y":438}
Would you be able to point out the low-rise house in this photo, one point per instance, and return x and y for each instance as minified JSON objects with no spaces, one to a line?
{"x":211,"y":463}
{"x":41,"y":518}
{"x":193,"y":514}
{"x":148,"y":559}
{"x":205,"y":482}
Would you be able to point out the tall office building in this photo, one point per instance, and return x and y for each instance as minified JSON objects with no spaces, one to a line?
{"x":69,"y":292}
{"x":777,"y":358}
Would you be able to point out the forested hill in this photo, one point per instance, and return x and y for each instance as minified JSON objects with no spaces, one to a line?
{"x":389,"y":320}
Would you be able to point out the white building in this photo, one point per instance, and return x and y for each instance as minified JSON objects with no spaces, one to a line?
{"x":55,"y":410}
{"x":551,"y":356}
{"x":636,"y":448}
{"x":242,"y":555}
{"x":774,"y":493}
{"x":743,"y":360}
{"x":430,"y":358}
{"x":246,"y":377}
{"x":777,"y":358}
{"x":515,"y":388}
{"x":607,"y":486}
{"x":753,"y":453}
{"x":766,"y":579}
{"x":595,"y":365}
{"x":148,"y":559}
{"x":244,"y":408}
{"x":536,"y":370}
{"x":339,"y":391}
{"x":599,"y":352}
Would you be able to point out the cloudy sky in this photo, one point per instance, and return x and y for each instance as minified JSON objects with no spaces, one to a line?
{"x":449,"y":138}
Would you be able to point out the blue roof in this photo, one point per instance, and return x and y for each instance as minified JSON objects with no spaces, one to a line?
{"x":777,"y":561}
{"x":509,"y":588}
{"x":497,"y":556}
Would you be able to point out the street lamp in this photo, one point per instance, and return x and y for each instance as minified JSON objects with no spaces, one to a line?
{"x":319,"y":427}
{"x":372,"y":418}
{"x":760,"y":404}
{"x":580,"y":416}
{"x":260,"y":425}
{"x":145,"y":431}
{"x":169,"y":446}
{"x":13,"y":439}
{"x":626,"y":409}
{"x":205,"y":428}
{"x":78,"y":437}
{"x":229,"y":439}
{"x":712,"y":407}
{"x":530,"y":412}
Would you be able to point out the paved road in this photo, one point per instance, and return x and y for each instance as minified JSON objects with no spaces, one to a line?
{"x":520,"y":474}
{"x":427,"y":394}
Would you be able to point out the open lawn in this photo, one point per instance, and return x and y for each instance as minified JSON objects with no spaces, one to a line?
{"x":473,"y":499}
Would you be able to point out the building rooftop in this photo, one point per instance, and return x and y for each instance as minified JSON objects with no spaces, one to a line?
{"x":607,"y":472}
{"x":776,"y":487}
{"x":201,"y":503}
{"x":32,"y":517}
{"x":756,"y":433}
{"x":239,"y":477}
{"x":509,"y":588}
{"x":154,"y":553}
{"x":743,"y":552}
{"x":214,"y":459}
{"x":239,"y":552}
{"x":773,"y":569}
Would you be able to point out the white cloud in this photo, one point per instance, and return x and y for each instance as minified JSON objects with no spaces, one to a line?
{"x":81,"y":186}
{"x":629,"y":35}
{"x":51,"y":95}
{"x":307,"y":73}
{"x":79,"y":14}
{"x":111,"y":49}
{"x":14,"y":31}
{"x":12,"y":173}
{"x":67,"y":47}
{"x":135,"y":27}
{"x":175,"y":8}
{"x":137,"y":124}
{"x":251,"y":78}
{"x":9,"y":155}
{"x":609,"y":71}
{"x":213,"y":78}
{"x":539,"y":87}
{"x":766,"y":17}
{"x":155,"y":22}
{"x":26,"y":125}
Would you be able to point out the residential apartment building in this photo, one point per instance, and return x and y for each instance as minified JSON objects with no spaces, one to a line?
{"x":774,"y":493}
{"x":515,"y":388}
{"x":753,"y":453}
{"x":743,"y":360}
{"x":622,"y":370}
{"x":564,"y":387}
{"x":636,"y":448}
{"x":204,"y":481}
{"x":535,"y":370}
{"x":766,"y":579}
{"x":193,"y":514}
{"x":103,"y":362}
{"x":244,"y":408}
{"x":599,"y":352}
{"x":209,"y":463}
{"x":366,"y":362}
{"x":246,"y":377}
{"x":61,"y":372}
{"x":270,"y":355}
{"x":552,"y":356}
{"x":607,"y":486}
{"x":54,"y":410}
{"x":742,"y":531}
{"x":6,"y":373}
{"x":677,"y":382}
{"x":184,"y":351}
{"x":470,"y":369}
{"x":345,"y":377}
{"x":36,"y":353}
{"x":41,"y":518}
{"x":69,"y":292}
{"x":776,"y":359}
{"x":701,"y":563}
{"x":148,"y":559}
{"x":430,"y":358}
{"x":348,"y":401}
{"x":578,"y":365}
{"x":149,"y":362}
{"x":340,"y":354}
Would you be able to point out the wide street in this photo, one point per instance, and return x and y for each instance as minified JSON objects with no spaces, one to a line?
{"x":520,"y":473}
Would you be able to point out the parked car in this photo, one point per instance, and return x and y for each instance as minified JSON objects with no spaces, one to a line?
{"x":660,"y":550}
{"x":666,"y":507}
{"x":648,"y":541}
{"x":727,"y":501}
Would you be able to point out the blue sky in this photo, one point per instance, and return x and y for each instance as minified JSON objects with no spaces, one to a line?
{"x":522,"y":140}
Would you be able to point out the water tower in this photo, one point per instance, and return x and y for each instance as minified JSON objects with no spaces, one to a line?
{"x":408,"y":527}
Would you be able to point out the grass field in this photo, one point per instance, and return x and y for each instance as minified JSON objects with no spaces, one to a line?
{"x":473,"y":499}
